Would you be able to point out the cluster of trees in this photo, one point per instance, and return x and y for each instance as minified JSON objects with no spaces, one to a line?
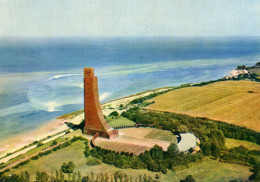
{"x":154,"y":160}
{"x":241,"y":155}
{"x":208,"y":82}
{"x":211,"y":137}
{"x":142,"y":99}
{"x":211,"y":133}
{"x":241,"y":67}
{"x":59,"y":176}
{"x":238,"y":132}
{"x":23,"y":177}
{"x":68,"y":167}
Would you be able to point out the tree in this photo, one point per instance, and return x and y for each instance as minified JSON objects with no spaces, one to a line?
{"x":109,"y":158}
{"x":182,"y":129}
{"x":12,"y":178}
{"x":256,"y":173}
{"x":206,"y":148}
{"x":164,"y":170}
{"x":42,"y":177}
{"x":39,"y":144}
{"x":114,"y":113}
{"x":79,"y":177}
{"x":241,"y":67}
{"x":188,"y":178}
{"x":74,"y":177}
{"x":153,"y":166}
{"x":57,"y":176}
{"x":68,"y":168}
{"x":71,"y":166}
{"x":157,"y":152}
{"x":157,"y":176}
{"x":172,"y":150}
{"x":61,"y":176}
{"x":54,"y":142}
{"x":87,"y":151}
{"x":215,"y":149}
{"x":25,"y":176}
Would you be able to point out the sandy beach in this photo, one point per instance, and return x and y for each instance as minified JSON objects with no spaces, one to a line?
{"x":15,"y":143}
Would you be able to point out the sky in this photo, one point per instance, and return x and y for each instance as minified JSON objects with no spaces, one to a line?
{"x":52,"y":18}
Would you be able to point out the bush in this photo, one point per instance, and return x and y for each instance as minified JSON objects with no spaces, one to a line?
{"x":157,"y":176}
{"x":189,"y":178}
{"x":39,"y":144}
{"x":241,"y":67}
{"x":164,"y":170}
{"x":35,"y":157}
{"x":54,"y":143}
{"x":114,"y":113}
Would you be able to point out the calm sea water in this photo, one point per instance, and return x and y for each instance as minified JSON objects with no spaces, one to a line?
{"x":41,"y":79}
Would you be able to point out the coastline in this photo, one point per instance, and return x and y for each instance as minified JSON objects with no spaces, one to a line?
{"x":15,"y":144}
{"x":18,"y":142}
{"x":50,"y":130}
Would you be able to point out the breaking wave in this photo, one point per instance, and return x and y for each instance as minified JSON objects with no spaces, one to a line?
{"x":104,"y":96}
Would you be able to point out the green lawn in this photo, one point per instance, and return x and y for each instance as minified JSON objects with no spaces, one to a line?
{"x":121,"y":121}
{"x":212,"y":171}
{"x":209,"y":170}
{"x":230,"y":143}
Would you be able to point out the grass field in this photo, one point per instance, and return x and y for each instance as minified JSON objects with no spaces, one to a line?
{"x":212,"y":171}
{"x":33,"y":151}
{"x":208,"y":170}
{"x":121,"y":121}
{"x":235,"y":102}
{"x":255,"y":70}
{"x":230,"y":143}
{"x":161,"y":135}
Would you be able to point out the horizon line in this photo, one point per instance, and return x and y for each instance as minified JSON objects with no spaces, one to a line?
{"x":133,"y":36}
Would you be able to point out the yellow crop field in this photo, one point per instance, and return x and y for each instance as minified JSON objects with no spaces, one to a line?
{"x":236,"y":102}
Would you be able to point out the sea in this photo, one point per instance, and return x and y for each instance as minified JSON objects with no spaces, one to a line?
{"x":42,"y":78}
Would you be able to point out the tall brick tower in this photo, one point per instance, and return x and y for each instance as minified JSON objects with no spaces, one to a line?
{"x":94,"y":119}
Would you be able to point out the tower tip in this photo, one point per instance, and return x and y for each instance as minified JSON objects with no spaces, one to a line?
{"x":88,"y":72}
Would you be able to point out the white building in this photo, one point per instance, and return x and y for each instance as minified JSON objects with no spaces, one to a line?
{"x":187,"y":141}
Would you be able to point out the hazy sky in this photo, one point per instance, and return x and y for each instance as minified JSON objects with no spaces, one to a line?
{"x":129,"y":18}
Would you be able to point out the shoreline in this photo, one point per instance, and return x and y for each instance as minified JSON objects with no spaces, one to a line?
{"x":15,"y":144}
